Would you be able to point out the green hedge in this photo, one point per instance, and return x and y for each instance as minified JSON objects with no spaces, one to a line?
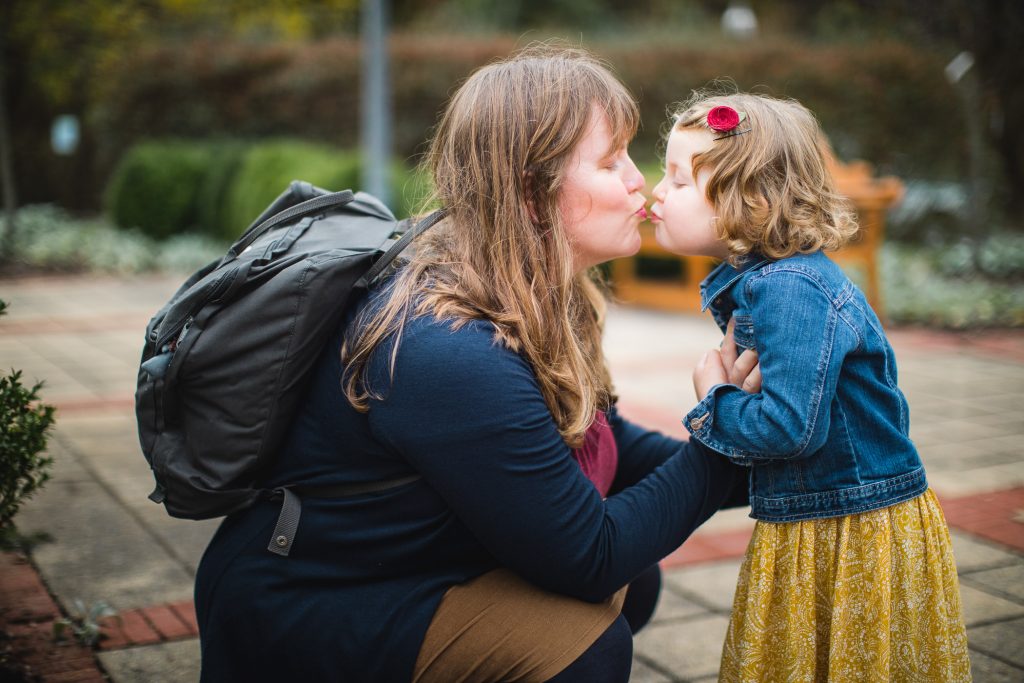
{"x":218,"y":187}
{"x":156,"y":187}
{"x":887,"y":102}
{"x":212,"y":210}
{"x":267,"y":169}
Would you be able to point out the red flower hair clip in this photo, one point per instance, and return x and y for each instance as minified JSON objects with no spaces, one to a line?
{"x":725,"y":119}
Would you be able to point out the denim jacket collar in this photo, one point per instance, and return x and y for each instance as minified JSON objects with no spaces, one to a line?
{"x":723,"y":277}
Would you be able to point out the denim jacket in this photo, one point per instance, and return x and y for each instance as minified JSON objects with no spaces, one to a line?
{"x":828,"y":434}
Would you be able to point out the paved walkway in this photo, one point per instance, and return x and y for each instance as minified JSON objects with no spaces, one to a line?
{"x":83,"y":337}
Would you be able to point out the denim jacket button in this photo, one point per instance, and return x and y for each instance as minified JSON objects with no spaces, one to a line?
{"x":698,"y":422}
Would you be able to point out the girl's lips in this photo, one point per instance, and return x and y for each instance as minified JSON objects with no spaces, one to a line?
{"x":653,"y":216}
{"x":642,"y":212}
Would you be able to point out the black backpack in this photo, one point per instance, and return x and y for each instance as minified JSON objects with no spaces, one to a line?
{"x":227,"y":358}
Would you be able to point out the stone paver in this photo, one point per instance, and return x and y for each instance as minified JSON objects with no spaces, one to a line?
{"x":985,"y":669}
{"x":693,"y":646}
{"x":708,"y":584}
{"x":1006,"y":582}
{"x":176,"y":662}
{"x":1000,"y":641}
{"x":83,"y":335}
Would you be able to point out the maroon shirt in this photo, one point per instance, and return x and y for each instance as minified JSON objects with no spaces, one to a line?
{"x":598,"y":456}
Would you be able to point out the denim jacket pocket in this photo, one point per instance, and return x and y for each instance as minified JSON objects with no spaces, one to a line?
{"x":743,"y":332}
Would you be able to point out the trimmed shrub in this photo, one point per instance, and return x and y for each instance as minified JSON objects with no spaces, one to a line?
{"x":267,"y":169}
{"x":226,"y":183}
{"x":226,"y":158}
{"x":156,"y":186}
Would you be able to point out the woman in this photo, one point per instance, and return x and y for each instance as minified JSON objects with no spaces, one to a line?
{"x":477,"y":369}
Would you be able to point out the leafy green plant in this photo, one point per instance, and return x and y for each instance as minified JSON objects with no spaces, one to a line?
{"x":52,"y":239}
{"x":24,"y":427}
{"x":84,"y":624}
{"x":933,"y":287}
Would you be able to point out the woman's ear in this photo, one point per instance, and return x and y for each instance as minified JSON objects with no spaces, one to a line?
{"x":529,"y":191}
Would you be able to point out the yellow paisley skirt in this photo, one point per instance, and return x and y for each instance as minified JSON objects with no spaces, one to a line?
{"x":866,"y":597}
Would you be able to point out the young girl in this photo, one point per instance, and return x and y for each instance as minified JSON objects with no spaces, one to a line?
{"x":849,"y":575}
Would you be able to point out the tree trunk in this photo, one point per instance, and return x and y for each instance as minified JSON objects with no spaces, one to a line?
{"x":6,"y":165}
{"x":992,"y":30}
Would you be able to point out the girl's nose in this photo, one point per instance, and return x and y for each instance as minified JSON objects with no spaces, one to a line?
{"x":659,"y":191}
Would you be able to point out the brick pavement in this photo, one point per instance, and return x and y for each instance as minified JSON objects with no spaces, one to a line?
{"x":83,"y":335}
{"x":27,"y":616}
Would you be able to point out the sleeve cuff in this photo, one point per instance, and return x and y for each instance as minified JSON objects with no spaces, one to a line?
{"x":700,"y":422}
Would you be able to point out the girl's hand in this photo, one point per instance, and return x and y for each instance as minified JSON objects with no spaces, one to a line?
{"x":709,"y":372}
{"x":726,"y":367}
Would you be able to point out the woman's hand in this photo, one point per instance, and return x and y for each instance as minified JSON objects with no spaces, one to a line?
{"x":726,"y":367}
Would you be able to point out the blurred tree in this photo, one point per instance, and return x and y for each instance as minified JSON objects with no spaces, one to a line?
{"x":7,"y":189}
{"x":604,"y":16}
{"x":271,"y":19}
{"x":991,"y":30}
{"x":512,"y":15}
{"x":54,"y":53}
{"x":58,"y":44}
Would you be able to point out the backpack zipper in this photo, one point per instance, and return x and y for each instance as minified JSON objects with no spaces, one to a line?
{"x":181,"y":335}
{"x":219,"y":286}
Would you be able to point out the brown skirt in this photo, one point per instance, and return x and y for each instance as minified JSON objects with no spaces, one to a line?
{"x":498,"y":627}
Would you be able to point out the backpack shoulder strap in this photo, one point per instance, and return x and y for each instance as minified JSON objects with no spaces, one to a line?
{"x":397,"y":247}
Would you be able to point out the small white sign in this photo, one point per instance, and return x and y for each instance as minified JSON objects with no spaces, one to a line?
{"x":64,"y":134}
{"x":960,"y":65}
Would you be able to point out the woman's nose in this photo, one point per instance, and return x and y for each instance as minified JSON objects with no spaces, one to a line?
{"x":635,"y":179}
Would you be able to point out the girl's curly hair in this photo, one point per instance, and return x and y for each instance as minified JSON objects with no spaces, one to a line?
{"x":771,"y":186}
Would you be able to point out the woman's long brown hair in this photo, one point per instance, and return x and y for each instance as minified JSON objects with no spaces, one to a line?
{"x":501,"y":254}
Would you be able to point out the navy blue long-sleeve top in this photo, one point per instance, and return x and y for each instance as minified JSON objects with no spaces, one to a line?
{"x":498,"y":487}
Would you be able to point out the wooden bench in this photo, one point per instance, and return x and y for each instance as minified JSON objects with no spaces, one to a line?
{"x":871,"y":198}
